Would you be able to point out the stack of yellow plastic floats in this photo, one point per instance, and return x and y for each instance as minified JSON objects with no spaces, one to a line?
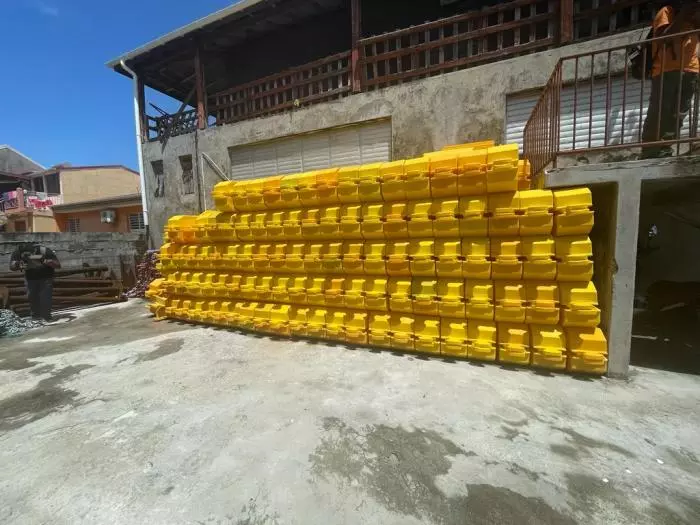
{"x":447,"y":254}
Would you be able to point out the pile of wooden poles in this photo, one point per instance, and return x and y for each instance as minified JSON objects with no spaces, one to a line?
{"x":72,"y":287}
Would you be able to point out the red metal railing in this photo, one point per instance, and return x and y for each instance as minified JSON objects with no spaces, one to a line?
{"x":541,"y":134}
{"x":318,"y":81}
{"x":594,"y":103}
{"x":458,"y":42}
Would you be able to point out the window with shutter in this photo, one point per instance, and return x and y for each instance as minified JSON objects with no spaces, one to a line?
{"x":136,"y":223}
{"x":73,"y":225}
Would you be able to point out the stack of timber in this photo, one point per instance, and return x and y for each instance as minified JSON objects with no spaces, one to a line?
{"x":72,"y":287}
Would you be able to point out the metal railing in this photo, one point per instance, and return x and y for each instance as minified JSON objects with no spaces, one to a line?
{"x":318,"y":81}
{"x":461,"y":41}
{"x":28,"y":200}
{"x":605,"y":101}
{"x":172,"y":125}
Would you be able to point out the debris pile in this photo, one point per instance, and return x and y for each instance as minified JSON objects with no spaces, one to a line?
{"x":12,"y":325}
{"x":146,"y":273}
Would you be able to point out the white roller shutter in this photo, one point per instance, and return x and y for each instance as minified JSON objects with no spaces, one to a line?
{"x":628,"y":104}
{"x":264,"y":161}
{"x":242,"y":163}
{"x":375,"y":143}
{"x":288,"y":158}
{"x":316,"y":151}
{"x":343,"y":146}
{"x":518,"y":111}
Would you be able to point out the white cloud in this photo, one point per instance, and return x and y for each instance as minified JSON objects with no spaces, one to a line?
{"x":46,"y":9}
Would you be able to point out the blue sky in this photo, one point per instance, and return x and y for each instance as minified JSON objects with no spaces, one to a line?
{"x":59,"y":102}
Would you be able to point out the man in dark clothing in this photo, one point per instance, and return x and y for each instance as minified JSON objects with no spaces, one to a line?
{"x":38,"y":263}
{"x":674,"y":74}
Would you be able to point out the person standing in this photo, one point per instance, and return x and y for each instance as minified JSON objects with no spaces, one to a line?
{"x":39,"y":264}
{"x":674,"y":75}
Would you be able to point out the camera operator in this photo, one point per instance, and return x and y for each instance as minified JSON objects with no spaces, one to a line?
{"x":38,"y":263}
{"x":675,"y":69}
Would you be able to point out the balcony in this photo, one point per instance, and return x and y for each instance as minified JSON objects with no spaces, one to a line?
{"x":28,"y":201}
{"x":434,"y":48}
{"x":593,"y":107}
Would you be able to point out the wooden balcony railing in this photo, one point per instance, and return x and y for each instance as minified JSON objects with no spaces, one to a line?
{"x":324,"y":79}
{"x":458,"y":42}
{"x":596,"y":18}
{"x":502,"y":31}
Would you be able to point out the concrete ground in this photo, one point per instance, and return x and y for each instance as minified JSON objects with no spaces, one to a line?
{"x":111,"y":417}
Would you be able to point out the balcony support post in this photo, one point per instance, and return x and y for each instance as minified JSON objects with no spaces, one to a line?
{"x":566,"y":21}
{"x":201,"y":91}
{"x":141,"y":99}
{"x":356,"y":23}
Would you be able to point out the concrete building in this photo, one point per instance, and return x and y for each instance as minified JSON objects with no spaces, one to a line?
{"x":313,"y":86}
{"x":289,"y":86}
{"x":28,"y":191}
{"x":121,"y":214}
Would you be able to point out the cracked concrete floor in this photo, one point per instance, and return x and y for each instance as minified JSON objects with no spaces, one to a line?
{"x":113,"y":418}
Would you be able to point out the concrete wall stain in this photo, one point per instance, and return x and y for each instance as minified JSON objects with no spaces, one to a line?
{"x":399,"y":468}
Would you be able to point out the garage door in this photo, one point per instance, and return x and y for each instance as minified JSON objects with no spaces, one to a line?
{"x":343,"y":146}
{"x":629,"y":104}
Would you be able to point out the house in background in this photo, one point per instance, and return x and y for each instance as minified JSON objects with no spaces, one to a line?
{"x":28,"y":191}
{"x":120,"y":214}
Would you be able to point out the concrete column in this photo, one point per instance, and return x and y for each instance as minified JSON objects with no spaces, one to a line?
{"x":625,"y":263}
{"x":20,"y":199}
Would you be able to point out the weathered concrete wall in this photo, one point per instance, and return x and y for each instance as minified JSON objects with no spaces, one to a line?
{"x":115,"y":250}
{"x":173,"y":201}
{"x":425,"y":115}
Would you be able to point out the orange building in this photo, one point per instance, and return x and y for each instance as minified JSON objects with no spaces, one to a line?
{"x":120,"y":214}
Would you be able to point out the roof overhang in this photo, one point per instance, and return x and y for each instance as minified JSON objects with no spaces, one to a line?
{"x":121,"y":201}
{"x":167,"y":63}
